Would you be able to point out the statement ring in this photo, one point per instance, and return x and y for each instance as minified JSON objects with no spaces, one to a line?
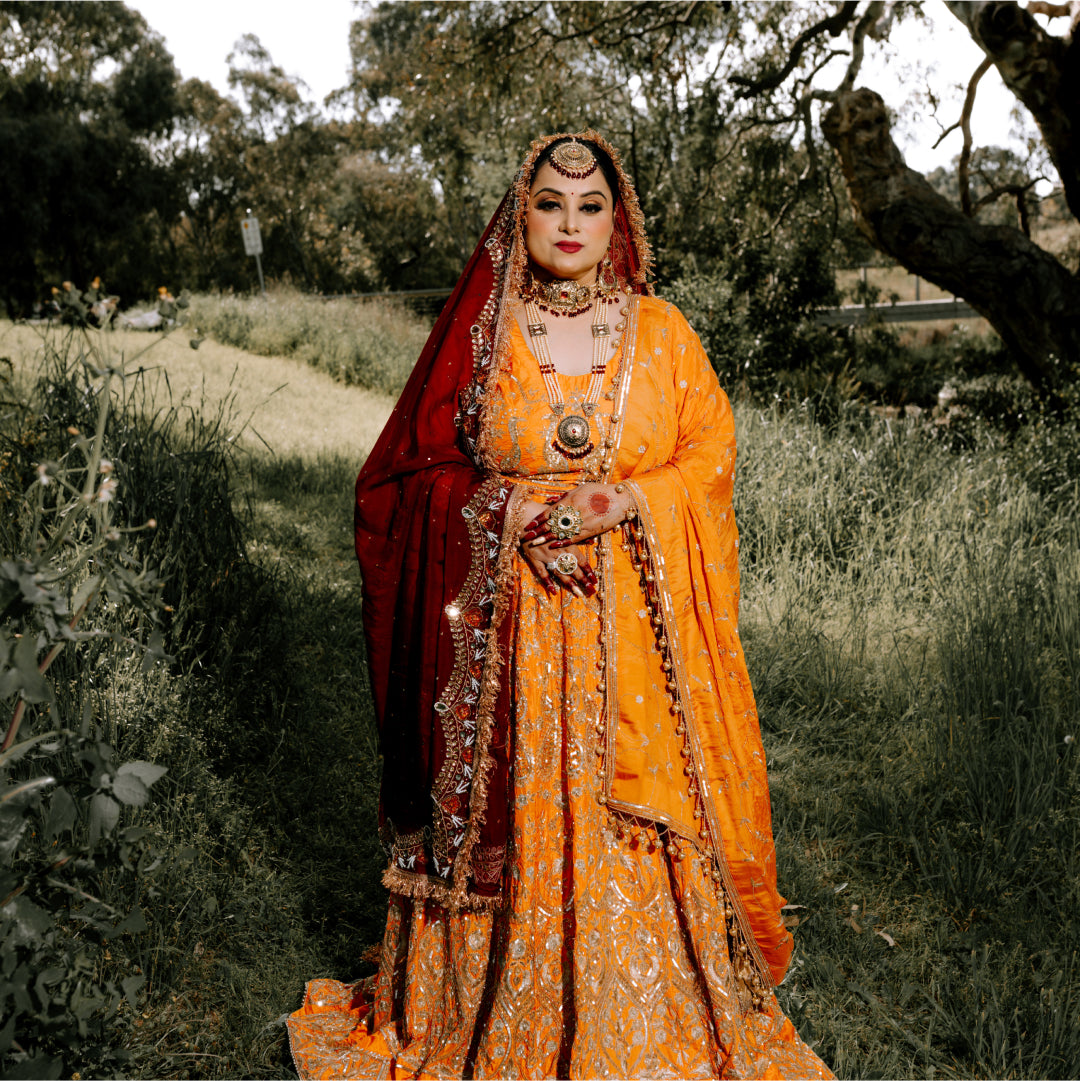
{"x":566,"y":524}
{"x":565,"y":563}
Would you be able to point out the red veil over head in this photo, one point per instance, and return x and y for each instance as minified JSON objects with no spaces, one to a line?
{"x":429,"y":525}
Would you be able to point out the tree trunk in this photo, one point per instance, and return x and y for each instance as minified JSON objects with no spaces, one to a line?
{"x":1042,"y":70}
{"x":1025,"y":293}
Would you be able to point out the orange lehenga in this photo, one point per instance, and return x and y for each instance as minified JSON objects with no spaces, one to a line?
{"x":640,"y":844}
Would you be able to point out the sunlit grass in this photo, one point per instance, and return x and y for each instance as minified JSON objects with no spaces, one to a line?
{"x":368,"y":343}
{"x":275,"y":402}
{"x":911,"y":623}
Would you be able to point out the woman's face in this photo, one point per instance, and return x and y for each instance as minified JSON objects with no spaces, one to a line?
{"x":568,"y":223}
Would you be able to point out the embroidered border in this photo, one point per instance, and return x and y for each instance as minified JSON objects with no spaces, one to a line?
{"x":607,"y":557}
{"x":472,"y":624}
{"x":485,"y":711}
{"x":467,"y":615}
{"x":675,"y":651}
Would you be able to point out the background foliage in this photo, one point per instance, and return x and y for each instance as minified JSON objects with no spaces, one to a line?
{"x":121,"y":168}
{"x":910,"y":622}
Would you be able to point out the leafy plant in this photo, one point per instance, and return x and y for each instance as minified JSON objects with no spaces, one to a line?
{"x":69,"y":576}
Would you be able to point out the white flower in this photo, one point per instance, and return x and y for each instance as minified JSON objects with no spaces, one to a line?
{"x":43,"y":475}
{"x":107,"y":491}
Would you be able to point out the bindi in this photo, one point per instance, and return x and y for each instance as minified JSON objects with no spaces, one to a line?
{"x":599,"y":503}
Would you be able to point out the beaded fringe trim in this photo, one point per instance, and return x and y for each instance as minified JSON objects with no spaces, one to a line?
{"x":751,"y":972}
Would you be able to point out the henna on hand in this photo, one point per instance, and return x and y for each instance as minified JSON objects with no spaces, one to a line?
{"x":599,"y":504}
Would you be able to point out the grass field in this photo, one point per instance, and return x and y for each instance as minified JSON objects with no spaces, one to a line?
{"x":912,"y":628}
{"x":372,"y":343}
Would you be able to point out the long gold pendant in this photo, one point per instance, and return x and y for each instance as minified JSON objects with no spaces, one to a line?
{"x":570,"y":435}
{"x":572,"y":438}
{"x":564,"y":429}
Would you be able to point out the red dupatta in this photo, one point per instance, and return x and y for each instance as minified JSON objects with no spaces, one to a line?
{"x":430,"y":527}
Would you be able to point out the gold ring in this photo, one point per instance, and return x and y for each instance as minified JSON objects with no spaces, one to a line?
{"x":566,"y":524}
{"x":565,"y":563}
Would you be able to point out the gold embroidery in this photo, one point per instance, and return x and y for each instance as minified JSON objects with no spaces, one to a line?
{"x":485,"y":721}
{"x":751,"y":966}
{"x":473,"y":617}
{"x":605,"y":959}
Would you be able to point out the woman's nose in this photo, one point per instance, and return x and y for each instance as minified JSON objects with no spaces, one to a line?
{"x":569,"y":222}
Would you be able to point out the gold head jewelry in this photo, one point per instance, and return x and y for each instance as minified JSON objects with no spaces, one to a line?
{"x":574,"y":160}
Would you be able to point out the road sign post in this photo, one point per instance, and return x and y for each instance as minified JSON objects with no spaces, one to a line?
{"x":249,"y":229}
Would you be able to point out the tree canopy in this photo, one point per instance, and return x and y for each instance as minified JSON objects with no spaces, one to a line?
{"x":761,"y":162}
{"x":85,"y":91}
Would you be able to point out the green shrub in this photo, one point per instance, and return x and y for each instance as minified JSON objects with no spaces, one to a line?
{"x":115,"y":868}
{"x":72,"y":580}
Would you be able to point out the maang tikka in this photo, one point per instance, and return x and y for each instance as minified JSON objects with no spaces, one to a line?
{"x":573,"y":160}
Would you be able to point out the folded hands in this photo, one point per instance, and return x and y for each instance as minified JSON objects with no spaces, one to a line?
{"x":556,"y":540}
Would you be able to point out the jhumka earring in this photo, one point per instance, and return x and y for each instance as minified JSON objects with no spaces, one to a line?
{"x":607,"y":284}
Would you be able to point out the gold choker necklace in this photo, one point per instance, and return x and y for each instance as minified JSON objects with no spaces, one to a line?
{"x":559,"y":297}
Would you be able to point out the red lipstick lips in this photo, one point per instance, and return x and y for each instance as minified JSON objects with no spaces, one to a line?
{"x":569,"y":246}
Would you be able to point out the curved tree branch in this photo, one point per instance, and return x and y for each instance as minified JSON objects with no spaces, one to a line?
{"x":1042,"y":70}
{"x":1070,"y":10}
{"x":963,"y":168}
{"x":1025,"y":293}
{"x":864,"y":26}
{"x":834,"y":26}
{"x":1019,"y":192}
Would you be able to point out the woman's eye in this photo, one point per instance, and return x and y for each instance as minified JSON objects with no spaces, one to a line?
{"x":547,"y":204}
{"x":591,"y":208}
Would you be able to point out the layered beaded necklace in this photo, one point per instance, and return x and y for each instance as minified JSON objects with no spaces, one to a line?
{"x":573,"y":433}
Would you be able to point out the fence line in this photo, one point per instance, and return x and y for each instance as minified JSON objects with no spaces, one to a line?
{"x":903,"y":311}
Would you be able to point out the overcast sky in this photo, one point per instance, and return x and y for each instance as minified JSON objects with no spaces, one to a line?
{"x":310,"y":39}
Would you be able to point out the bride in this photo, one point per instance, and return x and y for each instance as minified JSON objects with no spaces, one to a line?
{"x":582,"y":873}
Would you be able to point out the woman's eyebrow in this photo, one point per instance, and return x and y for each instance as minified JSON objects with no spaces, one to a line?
{"x":555,"y":191}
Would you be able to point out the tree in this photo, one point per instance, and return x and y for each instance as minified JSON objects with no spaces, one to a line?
{"x":204,"y":155}
{"x":455,"y":91}
{"x":695,"y":91}
{"x":333,"y":216}
{"x":1025,"y":292}
{"x":86,"y":91}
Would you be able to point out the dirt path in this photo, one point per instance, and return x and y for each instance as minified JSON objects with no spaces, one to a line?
{"x":293,"y":408}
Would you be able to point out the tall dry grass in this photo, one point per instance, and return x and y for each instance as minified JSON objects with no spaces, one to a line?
{"x":912,"y":625}
{"x":367,"y":343}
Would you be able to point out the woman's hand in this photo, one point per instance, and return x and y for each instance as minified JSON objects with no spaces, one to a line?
{"x":601,"y":506}
{"x":581,"y":581}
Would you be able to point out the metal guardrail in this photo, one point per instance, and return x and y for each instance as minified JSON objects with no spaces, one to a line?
{"x":903,"y":311}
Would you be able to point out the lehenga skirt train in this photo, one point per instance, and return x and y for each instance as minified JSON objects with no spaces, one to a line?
{"x":610,"y":958}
